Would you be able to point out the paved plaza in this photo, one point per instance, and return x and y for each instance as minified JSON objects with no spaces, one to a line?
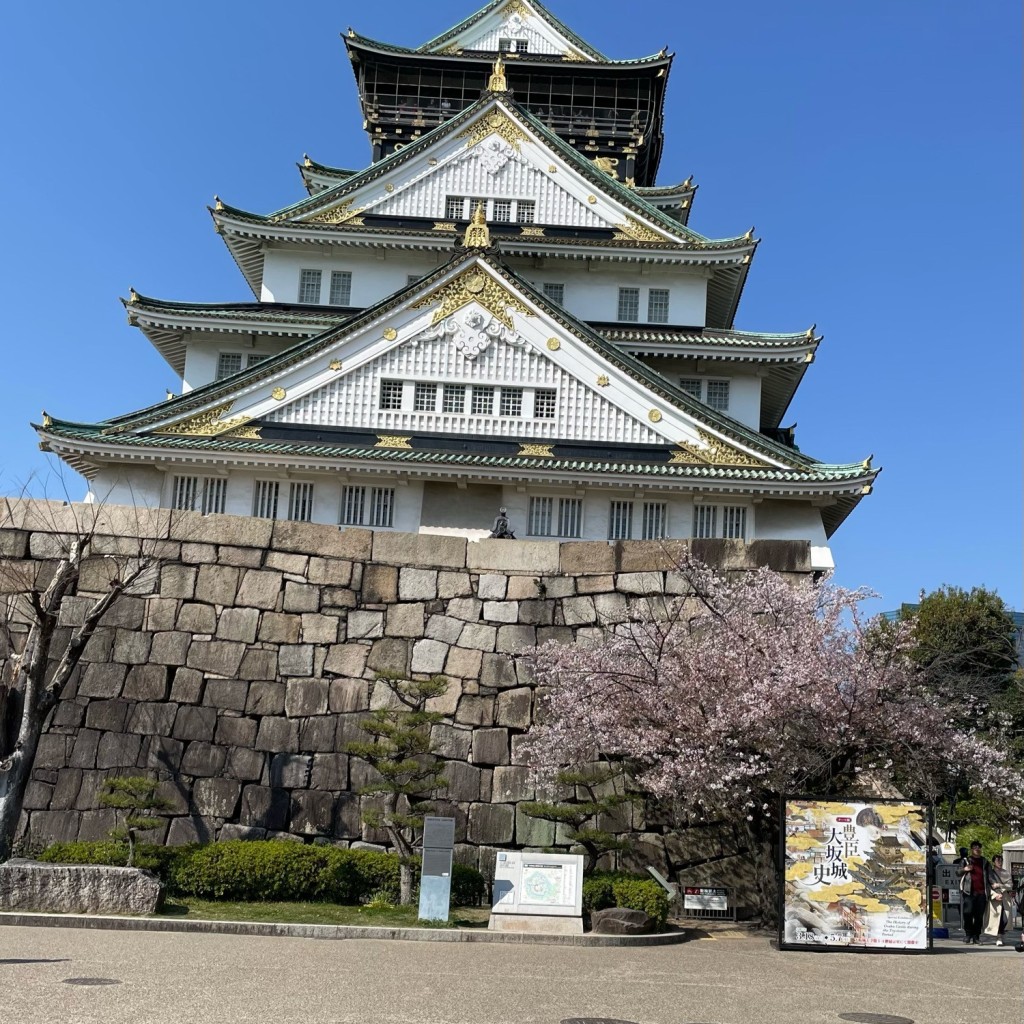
{"x":201,"y":979}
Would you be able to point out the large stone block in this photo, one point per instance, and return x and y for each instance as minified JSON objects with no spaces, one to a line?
{"x":217,"y":584}
{"x":579,"y":611}
{"x":527,"y":557}
{"x":312,"y":813}
{"x":295,"y":660}
{"x":203,"y":759}
{"x":513,"y":639}
{"x":514,"y":708}
{"x":152,"y":718}
{"x":536,"y":613}
{"x":258,"y":664}
{"x":242,"y":558}
{"x":365,"y":625}
{"x":77,"y":889}
{"x":228,"y":694}
{"x":305,"y":697}
{"x":290,"y":771}
{"x":330,"y":772}
{"x":278,"y":735}
{"x":334,"y":598}
{"x":498,"y":670}
{"x":611,"y":608}
{"x":646,"y":584}
{"x":511,"y":783}
{"x":170,"y":648}
{"x":108,"y":715}
{"x":294,"y":565}
{"x":266,"y":697}
{"x":197,"y":618}
{"x":235,"y":732}
{"x":102,"y":680}
{"x":448,"y":742}
{"x":603,"y":584}
{"x":501,"y":611}
{"x":245,"y":764}
{"x":650,"y":556}
{"x":533,"y":831}
{"x":132,"y":647}
{"x":491,"y":824}
{"x":192,"y":829}
{"x":301,"y":597}
{"x":163,"y":754}
{"x":492,"y":587}
{"x":317,"y":734}
{"x":428,"y":656}
{"x":126,"y":613}
{"x":463,"y":664}
{"x":260,"y":588}
{"x":97,"y":825}
{"x":326,"y":541}
{"x":334,"y":572}
{"x":83,"y":753}
{"x":348,"y":695}
{"x":192,"y":723}
{"x":415,"y":549}
{"x":278,"y":628}
{"x":584,"y":558}
{"x":118,"y":750}
{"x":463,"y":781}
{"x":417,"y":585}
{"x":490,"y":746}
{"x":319,"y":629}
{"x":216,"y":657}
{"x":405,"y":620}
{"x":454,"y":584}
{"x":263,"y":807}
{"x":346,"y":659}
{"x":147,"y":682}
{"x":178,"y":581}
{"x":348,"y":822}
{"x":475,"y":710}
{"x":243,"y":531}
{"x":238,"y":624}
{"x":380,"y":584}
{"x":466,"y":608}
{"x":443,"y":628}
{"x":216,"y":798}
{"x":478,"y":636}
{"x":66,"y":789}
{"x":445,"y":703}
{"x":161,"y":614}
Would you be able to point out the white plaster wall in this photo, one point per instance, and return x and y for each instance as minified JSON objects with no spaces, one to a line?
{"x":744,"y":387}
{"x":139,"y":486}
{"x":203,"y":349}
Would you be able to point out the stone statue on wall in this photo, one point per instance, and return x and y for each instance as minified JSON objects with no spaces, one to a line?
{"x":501,"y":529}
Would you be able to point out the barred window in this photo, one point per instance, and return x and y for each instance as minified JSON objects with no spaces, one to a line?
{"x":300,"y":502}
{"x":511,"y":402}
{"x":353,"y":500}
{"x":544,"y":403}
{"x":570,"y":517}
{"x":502,"y":210}
{"x":718,"y":394}
{"x":382,"y":506}
{"x":554,"y":292}
{"x":185,"y":490}
{"x":391,"y":394}
{"x":424,"y":397}
{"x":692,"y":386}
{"x":256,"y":357}
{"x":629,"y":304}
{"x":215,"y":491}
{"x":341,"y":287}
{"x":655,"y":520}
{"x":309,"y":285}
{"x":199,"y":494}
{"x":657,"y":306}
{"x":513,"y":45}
{"x":453,"y":398}
{"x":539,"y":521}
{"x":620,"y":520}
{"x":483,"y":401}
{"x":705,"y":520}
{"x":526,"y":211}
{"x":264,"y":499}
{"x":454,"y":207}
{"x":734,"y":522}
{"x":227,"y":364}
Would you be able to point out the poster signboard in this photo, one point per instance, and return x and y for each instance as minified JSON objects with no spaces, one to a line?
{"x":545,"y":884}
{"x":856,"y":875}
{"x":705,"y":898}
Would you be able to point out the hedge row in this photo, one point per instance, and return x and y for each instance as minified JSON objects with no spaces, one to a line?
{"x":267,"y":870}
{"x":602,"y":890}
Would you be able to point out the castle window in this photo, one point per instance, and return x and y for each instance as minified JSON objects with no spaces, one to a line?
{"x":391,"y":394}
{"x":341,"y":287}
{"x":356,"y":511}
{"x":454,"y":207}
{"x":507,"y":45}
{"x":657,"y":306}
{"x":544,"y":403}
{"x":734,"y":522}
{"x":693,"y":386}
{"x":424,"y":397}
{"x":570,"y":517}
{"x":718,"y":394}
{"x":539,"y":521}
{"x":227,"y":364}
{"x":511,"y":402}
{"x":382,"y":506}
{"x":554,"y":292}
{"x":655,"y":520}
{"x":727,"y":521}
{"x":483,"y":401}
{"x":352,"y":502}
{"x":705,"y":520}
{"x":502,"y":210}
{"x":526,"y":211}
{"x":264,"y":499}
{"x":620,"y":520}
{"x":300,"y":502}
{"x":309,"y":285}
{"x":629,"y":304}
{"x":453,"y":398}
{"x":199,"y":494}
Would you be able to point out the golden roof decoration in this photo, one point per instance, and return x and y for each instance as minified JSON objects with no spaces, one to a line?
{"x":712,"y":451}
{"x":497,"y":82}
{"x":477,"y":235}
{"x":495,"y":123}
{"x":344,"y":213}
{"x":206,"y":424}
{"x":635,"y":231}
{"x":540,"y":451}
{"x":473,"y":285}
{"x":392,"y":441}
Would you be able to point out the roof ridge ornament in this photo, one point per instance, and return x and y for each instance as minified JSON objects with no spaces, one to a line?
{"x":477,"y":236}
{"x":497,"y":82}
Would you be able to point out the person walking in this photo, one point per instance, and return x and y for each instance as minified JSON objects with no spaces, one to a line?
{"x":975,"y":888}
{"x":1000,"y":900}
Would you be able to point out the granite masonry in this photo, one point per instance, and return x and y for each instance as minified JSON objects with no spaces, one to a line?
{"x":243,"y":666}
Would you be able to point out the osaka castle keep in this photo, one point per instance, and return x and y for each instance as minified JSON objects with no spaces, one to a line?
{"x":503,"y":310}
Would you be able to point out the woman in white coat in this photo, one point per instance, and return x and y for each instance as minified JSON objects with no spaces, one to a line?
{"x":1000,"y":901}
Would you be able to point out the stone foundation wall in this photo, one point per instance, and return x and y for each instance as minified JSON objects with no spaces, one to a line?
{"x":245,"y":667}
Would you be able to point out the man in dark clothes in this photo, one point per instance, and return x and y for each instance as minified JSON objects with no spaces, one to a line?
{"x":975,"y":883}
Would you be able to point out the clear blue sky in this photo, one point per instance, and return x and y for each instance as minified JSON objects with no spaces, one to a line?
{"x":875,"y":147}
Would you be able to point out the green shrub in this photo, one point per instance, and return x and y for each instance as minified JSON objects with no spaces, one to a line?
{"x":598,"y":893}
{"x":602,"y":890}
{"x":468,"y":886}
{"x":158,"y":859}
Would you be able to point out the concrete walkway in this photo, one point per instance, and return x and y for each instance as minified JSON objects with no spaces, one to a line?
{"x":164,"y":978}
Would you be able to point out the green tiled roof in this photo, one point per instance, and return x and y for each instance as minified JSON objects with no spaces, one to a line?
{"x":262,"y":312}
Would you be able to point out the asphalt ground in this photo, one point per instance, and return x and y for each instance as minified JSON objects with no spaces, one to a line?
{"x":728,"y":979}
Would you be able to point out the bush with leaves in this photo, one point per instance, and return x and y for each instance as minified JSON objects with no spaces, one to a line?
{"x":137,"y":797}
{"x":603,"y":890}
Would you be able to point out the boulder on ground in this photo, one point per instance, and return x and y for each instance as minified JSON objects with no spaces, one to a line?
{"x":78,"y":889}
{"x":621,"y":921}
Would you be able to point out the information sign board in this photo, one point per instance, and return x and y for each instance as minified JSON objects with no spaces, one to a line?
{"x":546,"y":884}
{"x":705,"y":898}
{"x":856,"y":875}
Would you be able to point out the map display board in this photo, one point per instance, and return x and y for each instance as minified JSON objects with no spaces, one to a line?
{"x":856,"y":875}
{"x":538,"y":883}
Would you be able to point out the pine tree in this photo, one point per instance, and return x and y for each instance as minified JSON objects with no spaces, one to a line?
{"x":136,"y":795}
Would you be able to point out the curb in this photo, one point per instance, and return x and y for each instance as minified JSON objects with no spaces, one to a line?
{"x":328,"y":931}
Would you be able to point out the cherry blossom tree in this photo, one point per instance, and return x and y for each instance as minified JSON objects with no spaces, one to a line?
{"x":755,"y":685}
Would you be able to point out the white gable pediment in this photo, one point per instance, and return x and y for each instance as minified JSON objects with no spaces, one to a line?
{"x":515,"y":20}
{"x":496,"y":157}
{"x":473,"y":329}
